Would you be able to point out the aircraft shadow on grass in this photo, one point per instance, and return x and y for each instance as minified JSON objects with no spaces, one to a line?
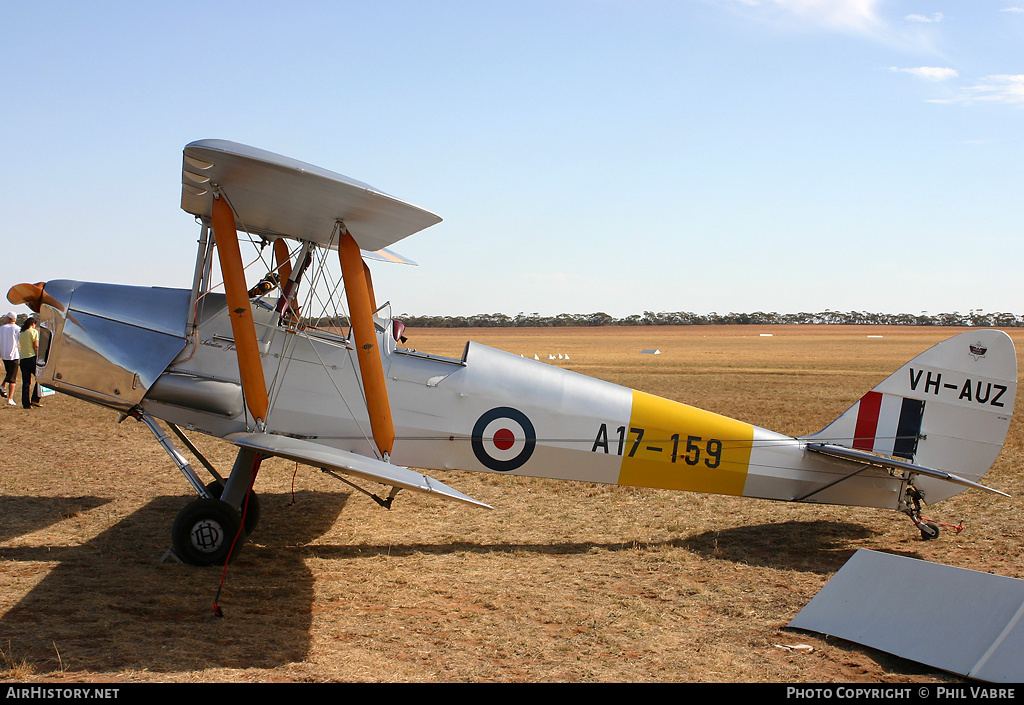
{"x":109,"y":604}
{"x":24,"y":515}
{"x":808,"y":546}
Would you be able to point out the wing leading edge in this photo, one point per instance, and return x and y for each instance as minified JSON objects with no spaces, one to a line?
{"x":318,"y":455}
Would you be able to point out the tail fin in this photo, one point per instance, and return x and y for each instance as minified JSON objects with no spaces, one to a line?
{"x":948,"y":409}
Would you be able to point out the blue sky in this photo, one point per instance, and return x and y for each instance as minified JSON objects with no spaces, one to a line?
{"x":586,"y":155}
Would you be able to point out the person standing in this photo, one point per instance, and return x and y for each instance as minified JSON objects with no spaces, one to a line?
{"x":10,"y":335}
{"x":28,"y":348}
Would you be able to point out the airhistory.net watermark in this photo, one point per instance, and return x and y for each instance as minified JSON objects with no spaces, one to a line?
{"x":48,"y":693}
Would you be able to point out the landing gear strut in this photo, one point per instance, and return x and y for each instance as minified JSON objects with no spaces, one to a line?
{"x":205,"y":531}
{"x":250,"y":507}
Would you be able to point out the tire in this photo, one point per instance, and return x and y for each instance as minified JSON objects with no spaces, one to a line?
{"x":929,"y":531}
{"x":204,"y":531}
{"x":252,"y":511}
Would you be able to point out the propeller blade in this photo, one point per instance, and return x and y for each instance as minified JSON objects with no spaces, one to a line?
{"x":33,"y":296}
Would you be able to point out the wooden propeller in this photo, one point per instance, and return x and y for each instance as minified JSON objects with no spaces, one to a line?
{"x":33,"y":296}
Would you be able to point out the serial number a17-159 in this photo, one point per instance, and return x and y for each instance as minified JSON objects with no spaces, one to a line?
{"x":690,"y":450}
{"x":671,"y":445}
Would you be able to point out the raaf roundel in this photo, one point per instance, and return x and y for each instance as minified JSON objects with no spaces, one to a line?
{"x":503,"y":439}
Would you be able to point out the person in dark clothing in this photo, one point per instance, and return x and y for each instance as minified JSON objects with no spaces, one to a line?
{"x":28,"y":345}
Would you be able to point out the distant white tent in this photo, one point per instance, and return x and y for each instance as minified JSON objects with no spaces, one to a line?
{"x":651,"y":352}
{"x":535,"y":357}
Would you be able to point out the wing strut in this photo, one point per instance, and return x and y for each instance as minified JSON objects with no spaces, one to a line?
{"x":284,"y":263}
{"x":250,"y":367}
{"x":360,"y":308}
{"x":288,"y":305}
{"x":369,"y":284}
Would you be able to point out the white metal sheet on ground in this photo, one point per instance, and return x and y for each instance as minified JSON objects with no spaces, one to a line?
{"x":958,"y":620}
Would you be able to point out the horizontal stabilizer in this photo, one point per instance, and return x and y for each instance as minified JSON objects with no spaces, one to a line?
{"x":321,"y":456}
{"x":860,"y":456}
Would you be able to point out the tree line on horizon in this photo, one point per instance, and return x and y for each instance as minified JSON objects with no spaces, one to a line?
{"x":974,"y":318}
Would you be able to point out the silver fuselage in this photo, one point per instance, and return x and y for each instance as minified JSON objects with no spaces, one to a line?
{"x":123,"y":346}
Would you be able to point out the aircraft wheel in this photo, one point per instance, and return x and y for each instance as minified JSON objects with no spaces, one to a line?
{"x":204,"y":531}
{"x":252,"y":510}
{"x":929,"y":531}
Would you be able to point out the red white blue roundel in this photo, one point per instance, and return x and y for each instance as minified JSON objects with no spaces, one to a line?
{"x":503,"y":439}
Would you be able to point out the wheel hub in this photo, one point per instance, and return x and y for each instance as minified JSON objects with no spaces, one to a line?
{"x":207,"y":536}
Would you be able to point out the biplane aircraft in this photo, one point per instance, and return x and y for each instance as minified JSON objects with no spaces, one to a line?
{"x":256,"y":366}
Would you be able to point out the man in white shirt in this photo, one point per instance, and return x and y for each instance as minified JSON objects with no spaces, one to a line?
{"x":9,"y":335}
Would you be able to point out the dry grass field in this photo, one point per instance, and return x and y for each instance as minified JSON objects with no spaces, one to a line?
{"x":560,"y":582}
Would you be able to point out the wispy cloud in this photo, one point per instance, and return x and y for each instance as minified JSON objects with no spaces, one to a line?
{"x":843,"y":15}
{"x":937,"y":17}
{"x":859,"y":18}
{"x":929,"y":73}
{"x":1012,"y":9}
{"x":998,"y":88}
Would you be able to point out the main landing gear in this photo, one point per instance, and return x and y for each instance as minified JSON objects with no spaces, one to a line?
{"x":206,"y":532}
{"x":211,"y":529}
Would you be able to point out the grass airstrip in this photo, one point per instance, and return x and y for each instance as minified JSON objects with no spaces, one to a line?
{"x":560,"y":582}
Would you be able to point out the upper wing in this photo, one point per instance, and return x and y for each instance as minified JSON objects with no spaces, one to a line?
{"x":319,"y":455}
{"x":276,"y":196}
